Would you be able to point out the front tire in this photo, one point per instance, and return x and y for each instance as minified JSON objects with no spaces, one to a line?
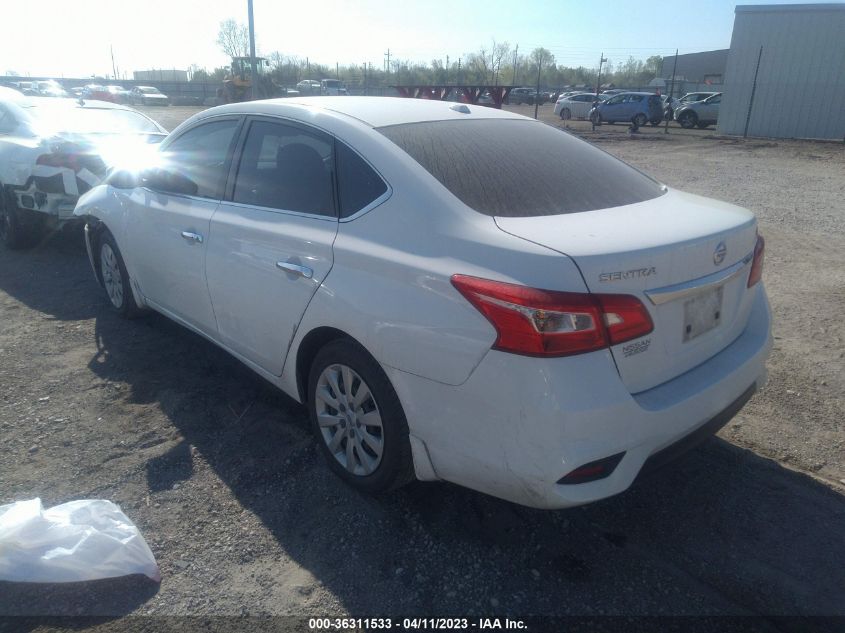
{"x":115,"y":278}
{"x":702,"y":125}
{"x":639,"y":120}
{"x":565,"y":114}
{"x":688,"y":120}
{"x":357,"y":419}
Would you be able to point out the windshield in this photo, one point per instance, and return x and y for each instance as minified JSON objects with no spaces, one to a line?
{"x":51,"y":119}
{"x":521,"y":168}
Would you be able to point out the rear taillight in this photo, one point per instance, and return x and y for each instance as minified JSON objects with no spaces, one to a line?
{"x":757,"y":263}
{"x":536,"y":322}
{"x":593,"y":471}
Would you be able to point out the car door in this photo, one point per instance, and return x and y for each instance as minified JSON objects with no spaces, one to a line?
{"x":611,"y":110}
{"x":166,"y":232}
{"x":583,"y":104}
{"x":708,"y":110}
{"x":271,"y":239}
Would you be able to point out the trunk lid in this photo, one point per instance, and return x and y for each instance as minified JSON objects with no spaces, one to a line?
{"x":687,"y":258}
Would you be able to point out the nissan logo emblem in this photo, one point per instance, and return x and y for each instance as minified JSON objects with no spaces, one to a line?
{"x":719,"y":253}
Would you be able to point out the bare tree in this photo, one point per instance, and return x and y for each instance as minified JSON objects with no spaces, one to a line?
{"x":500,"y":51}
{"x":233,"y":38}
{"x":478,"y":66}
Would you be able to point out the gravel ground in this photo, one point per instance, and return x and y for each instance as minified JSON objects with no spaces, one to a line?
{"x":220,"y":472}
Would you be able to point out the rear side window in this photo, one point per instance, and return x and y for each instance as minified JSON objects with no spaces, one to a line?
{"x":358,"y":185}
{"x":284,"y":167}
{"x":520,"y":168}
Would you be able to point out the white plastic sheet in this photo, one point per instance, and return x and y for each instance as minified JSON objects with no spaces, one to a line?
{"x":81,"y":540}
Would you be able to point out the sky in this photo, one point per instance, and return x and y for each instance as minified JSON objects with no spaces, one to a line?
{"x":75,"y":38}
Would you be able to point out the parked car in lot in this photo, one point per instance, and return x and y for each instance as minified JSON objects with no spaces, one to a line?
{"x":50,"y":88}
{"x":690,"y":97}
{"x":51,"y":151}
{"x":332,"y":87}
{"x":519,"y":96}
{"x":97,"y":92}
{"x":638,"y":108}
{"x":119,"y":94}
{"x":148,"y":96}
{"x":699,"y":114}
{"x":575,"y":106}
{"x":540,"y":324}
{"x":308,"y":87}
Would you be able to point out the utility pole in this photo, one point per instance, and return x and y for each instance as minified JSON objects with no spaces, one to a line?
{"x":459,"y":70}
{"x":387,"y":63}
{"x":598,"y":88}
{"x":337,"y":70}
{"x":113,"y":69}
{"x":447,"y":69}
{"x":253,"y":73}
{"x":515,"y":63}
{"x":537,"y":93}
{"x":671,"y":90}
{"x":602,"y":60}
{"x":308,"y":67}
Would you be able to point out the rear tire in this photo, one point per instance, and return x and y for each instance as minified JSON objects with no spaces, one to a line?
{"x":357,"y":419}
{"x":115,"y":278}
{"x":18,"y":229}
{"x":702,"y":125}
{"x":565,"y":114}
{"x":639,"y":120}
{"x":595,"y":118}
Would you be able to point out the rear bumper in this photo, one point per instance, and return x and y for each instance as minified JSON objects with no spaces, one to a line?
{"x":519,"y":424}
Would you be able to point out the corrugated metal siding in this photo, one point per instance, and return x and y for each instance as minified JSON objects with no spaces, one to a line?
{"x":801,"y":84}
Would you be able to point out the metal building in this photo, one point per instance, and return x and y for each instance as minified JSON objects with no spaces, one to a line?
{"x":800,"y":82}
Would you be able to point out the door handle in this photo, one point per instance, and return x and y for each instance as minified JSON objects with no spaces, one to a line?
{"x":192,"y":237}
{"x":298,"y":269}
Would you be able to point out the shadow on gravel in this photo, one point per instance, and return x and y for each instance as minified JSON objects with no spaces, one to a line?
{"x":53,"y":277}
{"x":119,"y":595}
{"x":723,"y":531}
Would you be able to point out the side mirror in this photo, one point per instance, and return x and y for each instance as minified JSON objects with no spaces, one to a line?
{"x":168,"y":181}
{"x":123,"y":179}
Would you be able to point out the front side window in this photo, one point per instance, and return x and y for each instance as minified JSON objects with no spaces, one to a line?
{"x":202,"y":153}
{"x":520,"y":168}
{"x":285,"y":167}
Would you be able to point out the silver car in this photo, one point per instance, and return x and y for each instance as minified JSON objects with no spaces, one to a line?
{"x":699,"y":113}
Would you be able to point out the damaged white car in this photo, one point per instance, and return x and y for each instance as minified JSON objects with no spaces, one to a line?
{"x":54,"y":150}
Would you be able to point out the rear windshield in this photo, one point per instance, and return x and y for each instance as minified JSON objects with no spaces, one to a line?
{"x":520,"y":168}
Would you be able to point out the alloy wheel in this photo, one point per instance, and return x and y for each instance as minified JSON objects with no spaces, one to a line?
{"x":112,"y":279}
{"x":349,"y":419}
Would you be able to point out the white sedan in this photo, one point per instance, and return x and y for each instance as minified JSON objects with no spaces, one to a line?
{"x":575,"y":106}
{"x":449,"y":302}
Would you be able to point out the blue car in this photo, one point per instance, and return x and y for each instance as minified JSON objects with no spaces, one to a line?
{"x":638,"y":108}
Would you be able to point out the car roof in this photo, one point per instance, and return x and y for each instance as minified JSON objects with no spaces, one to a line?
{"x":373,"y":111}
{"x":634,"y":92}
